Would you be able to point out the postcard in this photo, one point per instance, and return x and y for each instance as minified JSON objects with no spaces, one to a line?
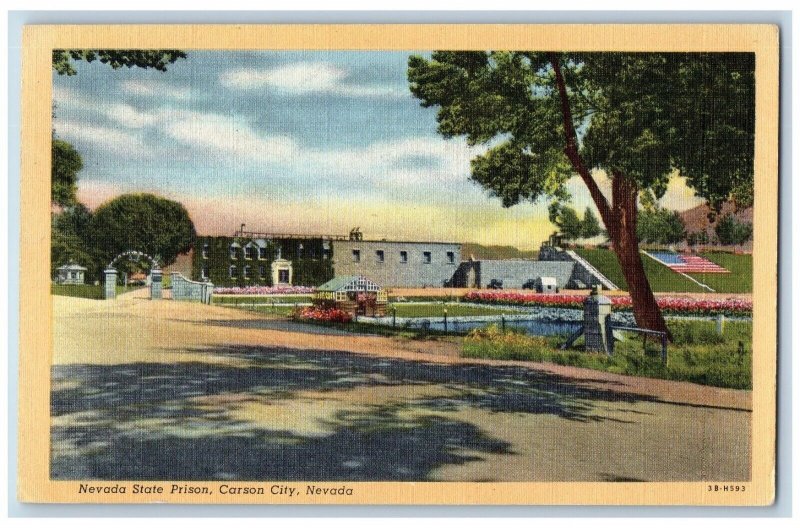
{"x":399,"y":264}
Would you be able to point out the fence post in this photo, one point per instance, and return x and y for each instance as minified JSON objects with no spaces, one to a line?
{"x":394,"y":316}
{"x":503,"y":322}
{"x":609,"y":337}
{"x":720,"y":323}
{"x":664,"y":348}
{"x":596,"y":313}
{"x":445,"y":320}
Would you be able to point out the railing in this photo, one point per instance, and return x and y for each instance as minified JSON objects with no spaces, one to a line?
{"x":610,"y":327}
{"x":184,"y":289}
{"x":265,"y":234}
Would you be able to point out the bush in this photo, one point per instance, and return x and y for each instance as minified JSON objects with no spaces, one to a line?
{"x":328,"y":315}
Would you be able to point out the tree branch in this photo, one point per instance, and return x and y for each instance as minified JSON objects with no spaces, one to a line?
{"x":571,"y":148}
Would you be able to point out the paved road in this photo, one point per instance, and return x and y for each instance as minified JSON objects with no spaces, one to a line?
{"x":179,"y":391}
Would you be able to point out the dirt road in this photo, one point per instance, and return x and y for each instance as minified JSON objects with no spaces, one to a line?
{"x":169,"y":390}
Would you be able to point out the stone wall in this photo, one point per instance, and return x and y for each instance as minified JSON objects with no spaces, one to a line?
{"x":514,"y":273}
{"x":391,"y":270}
{"x":184,"y":289}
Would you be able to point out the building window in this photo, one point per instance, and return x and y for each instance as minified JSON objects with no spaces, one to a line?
{"x":404,"y":257}
{"x":204,"y":272}
{"x":262,"y":272}
{"x":379,"y":255}
{"x":283,"y":276}
{"x":426,"y":257}
{"x":451,"y":257}
{"x":246,"y":273}
{"x":248,"y":252}
{"x":356,"y":255}
{"x":233,"y":272}
{"x":233,"y":252}
{"x":205,"y":251}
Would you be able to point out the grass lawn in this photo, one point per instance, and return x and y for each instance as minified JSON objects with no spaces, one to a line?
{"x":740,"y":278}
{"x":86,"y":291}
{"x":662,"y":279}
{"x":698,"y":354}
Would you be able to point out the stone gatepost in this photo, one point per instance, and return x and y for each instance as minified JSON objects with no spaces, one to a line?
{"x":111,"y":283}
{"x":596,"y":311}
{"x":155,"y":283}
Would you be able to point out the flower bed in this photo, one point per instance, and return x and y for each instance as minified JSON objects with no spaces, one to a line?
{"x":330,"y":315}
{"x":264,"y":290}
{"x":668,"y":305}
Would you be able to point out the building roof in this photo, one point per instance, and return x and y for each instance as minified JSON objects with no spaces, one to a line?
{"x":349,"y":283}
{"x":72,"y":267}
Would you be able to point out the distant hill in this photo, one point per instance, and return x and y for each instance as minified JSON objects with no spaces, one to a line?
{"x":481,"y":252}
{"x":696,"y":219}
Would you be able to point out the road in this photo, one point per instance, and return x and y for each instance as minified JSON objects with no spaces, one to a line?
{"x":179,"y":391}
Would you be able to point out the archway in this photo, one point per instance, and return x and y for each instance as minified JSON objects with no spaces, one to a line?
{"x":135,"y":256}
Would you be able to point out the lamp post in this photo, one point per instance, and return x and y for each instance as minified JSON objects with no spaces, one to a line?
{"x":445,"y":320}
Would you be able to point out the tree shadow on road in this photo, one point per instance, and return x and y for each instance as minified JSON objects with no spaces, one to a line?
{"x":178,"y":421}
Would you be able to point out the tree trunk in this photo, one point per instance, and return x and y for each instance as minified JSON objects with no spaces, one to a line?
{"x":619,"y":218}
{"x":626,"y":246}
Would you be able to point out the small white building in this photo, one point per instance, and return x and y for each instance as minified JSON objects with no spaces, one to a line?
{"x":547,"y":285}
{"x":71,"y":274}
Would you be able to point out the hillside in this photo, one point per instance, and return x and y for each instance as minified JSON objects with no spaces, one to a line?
{"x":696,"y":219}
{"x":481,"y":252}
{"x":662,"y":279}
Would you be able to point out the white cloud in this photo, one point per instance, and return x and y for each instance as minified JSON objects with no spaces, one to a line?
{"x":407,"y":161}
{"x":128,"y":116}
{"x":154,"y":88}
{"x":112,"y":139}
{"x":225,"y":135}
{"x":305,"y":77}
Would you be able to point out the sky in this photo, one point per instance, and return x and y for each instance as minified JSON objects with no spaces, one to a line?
{"x":306,"y":142}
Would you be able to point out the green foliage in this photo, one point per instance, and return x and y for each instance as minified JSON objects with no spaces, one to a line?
{"x":660,"y":226}
{"x":154,"y":225}
{"x":71,"y":241}
{"x":308,"y":265}
{"x":698,"y":355}
{"x":66,"y":163}
{"x":732,"y":232}
{"x":590,"y":227}
{"x":156,"y":59}
{"x":642,"y":116}
{"x":698,"y":238}
{"x":567,"y":221}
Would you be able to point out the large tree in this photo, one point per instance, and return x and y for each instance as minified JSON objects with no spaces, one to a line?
{"x":66,"y":163}
{"x":638,"y":118}
{"x":143,"y":222}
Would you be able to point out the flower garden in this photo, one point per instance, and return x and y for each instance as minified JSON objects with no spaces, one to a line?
{"x":327,"y":315}
{"x":669,"y":305}
{"x":264,"y":290}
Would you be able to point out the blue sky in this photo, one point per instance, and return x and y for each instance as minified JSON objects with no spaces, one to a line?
{"x":304,"y":141}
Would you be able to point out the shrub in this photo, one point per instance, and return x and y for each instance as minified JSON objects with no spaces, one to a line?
{"x":328,"y":315}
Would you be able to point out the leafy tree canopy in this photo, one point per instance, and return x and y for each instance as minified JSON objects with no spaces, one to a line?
{"x":660,"y":226}
{"x":66,"y":163}
{"x":143,"y":222}
{"x":638,"y":116}
{"x":567,"y":221}
{"x":590,"y":227}
{"x":157,"y":59}
{"x":732,"y":232}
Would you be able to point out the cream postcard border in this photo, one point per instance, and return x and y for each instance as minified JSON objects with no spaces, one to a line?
{"x":34,"y":484}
